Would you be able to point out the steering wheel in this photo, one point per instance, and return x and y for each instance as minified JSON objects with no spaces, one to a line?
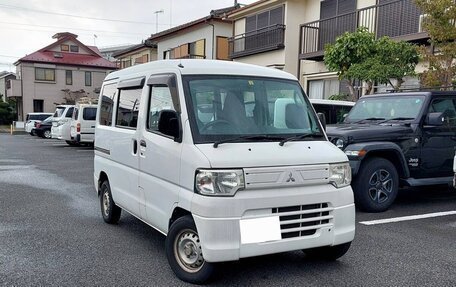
{"x":220,"y":123}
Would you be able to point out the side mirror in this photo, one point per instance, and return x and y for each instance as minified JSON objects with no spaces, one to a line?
{"x":435,"y":119}
{"x":168,"y":124}
{"x":322,"y":118}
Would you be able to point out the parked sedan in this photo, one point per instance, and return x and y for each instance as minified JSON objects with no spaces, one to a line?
{"x":43,"y":129}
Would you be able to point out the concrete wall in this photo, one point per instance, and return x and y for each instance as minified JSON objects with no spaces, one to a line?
{"x":51,"y":92}
{"x":203,"y":31}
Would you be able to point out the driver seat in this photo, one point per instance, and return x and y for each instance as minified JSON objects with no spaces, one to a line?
{"x":234,"y":112}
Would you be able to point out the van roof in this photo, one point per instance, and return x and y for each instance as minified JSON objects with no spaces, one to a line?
{"x":332,"y":102}
{"x":200,"y":67}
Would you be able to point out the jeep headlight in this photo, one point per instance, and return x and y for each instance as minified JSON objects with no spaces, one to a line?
{"x":340,"y":174}
{"x":219,"y":182}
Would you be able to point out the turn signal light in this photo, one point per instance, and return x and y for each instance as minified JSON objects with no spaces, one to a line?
{"x":78,"y":127}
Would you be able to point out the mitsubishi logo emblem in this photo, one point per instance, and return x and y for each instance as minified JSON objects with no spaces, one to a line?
{"x":290,"y":177}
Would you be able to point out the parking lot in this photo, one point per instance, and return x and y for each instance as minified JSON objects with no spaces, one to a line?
{"x":52,"y":233}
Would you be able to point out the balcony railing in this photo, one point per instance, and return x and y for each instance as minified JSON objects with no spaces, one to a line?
{"x":13,"y":88}
{"x":262,"y":40}
{"x":192,"y":56}
{"x":399,"y":19}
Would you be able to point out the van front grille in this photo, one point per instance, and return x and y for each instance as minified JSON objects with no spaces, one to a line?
{"x":303,"y":220}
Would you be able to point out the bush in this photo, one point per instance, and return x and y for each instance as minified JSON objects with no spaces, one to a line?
{"x":7,"y":113}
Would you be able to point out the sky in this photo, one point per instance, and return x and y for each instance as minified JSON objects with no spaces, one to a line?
{"x":28,"y":25}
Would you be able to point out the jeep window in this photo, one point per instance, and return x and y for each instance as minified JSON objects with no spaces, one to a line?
{"x":447,"y":106}
{"x":385,"y":108}
{"x":225,"y":107}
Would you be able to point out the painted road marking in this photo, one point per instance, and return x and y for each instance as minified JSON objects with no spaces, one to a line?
{"x":407,"y":218}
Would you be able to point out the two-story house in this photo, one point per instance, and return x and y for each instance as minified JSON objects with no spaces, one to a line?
{"x":4,"y":78}
{"x":398,"y":19}
{"x":136,"y":54}
{"x":47,"y":76}
{"x":204,"y":38}
{"x":266,"y":33}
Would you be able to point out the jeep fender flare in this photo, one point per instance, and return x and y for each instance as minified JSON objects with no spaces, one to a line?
{"x":358,"y":152}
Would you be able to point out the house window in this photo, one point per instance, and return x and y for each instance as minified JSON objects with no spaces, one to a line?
{"x":44,"y":74}
{"x":264,"y":19}
{"x":222,"y":48}
{"x":126,"y":63}
{"x":128,"y":108}
{"x":74,"y":48}
{"x":88,"y":78}
{"x":64,"y":48}
{"x":38,"y":106}
{"x":323,"y":89}
{"x":69,"y":77}
{"x":193,"y":50}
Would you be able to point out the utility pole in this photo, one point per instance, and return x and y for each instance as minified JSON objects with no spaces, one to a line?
{"x":156,"y":19}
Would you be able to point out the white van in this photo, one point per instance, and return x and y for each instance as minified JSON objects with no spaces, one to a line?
{"x":334,"y":111}
{"x":194,"y":149}
{"x":82,"y":128}
{"x":61,"y":122}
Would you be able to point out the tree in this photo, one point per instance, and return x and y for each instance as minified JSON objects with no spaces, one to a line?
{"x":440,"y":24}
{"x":7,"y":112}
{"x":71,"y":97}
{"x":359,"y":56}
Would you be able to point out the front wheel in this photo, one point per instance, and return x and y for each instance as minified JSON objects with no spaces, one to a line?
{"x":47,"y":134}
{"x":184,"y":252}
{"x":328,"y":253}
{"x":109,"y":210}
{"x":376,"y":185}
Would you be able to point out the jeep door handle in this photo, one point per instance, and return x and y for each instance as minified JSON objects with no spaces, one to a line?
{"x":143,"y":143}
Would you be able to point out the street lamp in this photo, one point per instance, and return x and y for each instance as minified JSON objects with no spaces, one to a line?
{"x":156,"y":19}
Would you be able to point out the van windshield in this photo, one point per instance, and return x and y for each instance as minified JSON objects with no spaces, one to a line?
{"x":224,"y":107}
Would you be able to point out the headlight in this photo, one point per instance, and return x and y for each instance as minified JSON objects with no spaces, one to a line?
{"x":340,"y":143}
{"x":340,"y":174}
{"x":219,"y":182}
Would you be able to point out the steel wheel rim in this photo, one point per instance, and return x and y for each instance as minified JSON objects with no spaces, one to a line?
{"x":380,"y":186}
{"x":188,"y":251}
{"x":106,"y":203}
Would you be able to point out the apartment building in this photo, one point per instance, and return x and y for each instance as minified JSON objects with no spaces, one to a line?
{"x":136,"y":54}
{"x":204,"y":38}
{"x":46,"y":77}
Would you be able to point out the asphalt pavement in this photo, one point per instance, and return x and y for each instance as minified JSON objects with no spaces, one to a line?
{"x":52,"y":234}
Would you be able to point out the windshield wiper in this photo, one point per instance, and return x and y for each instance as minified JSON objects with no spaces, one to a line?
{"x":299,"y":137}
{"x":249,"y":138}
{"x":368,"y":119}
{"x":397,"y":119}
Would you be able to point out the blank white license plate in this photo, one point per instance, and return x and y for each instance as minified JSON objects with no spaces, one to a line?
{"x":259,"y":230}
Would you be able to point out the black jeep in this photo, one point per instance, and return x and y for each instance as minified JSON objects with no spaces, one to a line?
{"x":397,"y":139}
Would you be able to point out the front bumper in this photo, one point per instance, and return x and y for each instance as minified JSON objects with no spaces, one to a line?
{"x":220,"y":233}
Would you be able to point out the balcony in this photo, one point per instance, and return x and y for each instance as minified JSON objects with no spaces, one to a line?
{"x":262,"y":40}
{"x":400,"y":20}
{"x":192,"y":56}
{"x":13,"y":88}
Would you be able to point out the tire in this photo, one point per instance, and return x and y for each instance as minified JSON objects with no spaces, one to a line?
{"x":182,"y":238}
{"x":109,"y":210}
{"x":47,"y":134}
{"x":32,"y":133}
{"x":376,"y":185}
{"x":327,"y":253}
{"x":72,"y":143}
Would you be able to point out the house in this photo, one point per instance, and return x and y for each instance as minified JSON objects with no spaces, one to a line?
{"x":108,"y":51}
{"x":325,"y":20}
{"x":204,"y":38}
{"x":4,"y":78}
{"x":266,"y":33}
{"x":136,"y":54}
{"x":54,"y":73}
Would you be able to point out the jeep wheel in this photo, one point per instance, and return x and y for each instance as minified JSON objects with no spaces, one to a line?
{"x":376,"y":185}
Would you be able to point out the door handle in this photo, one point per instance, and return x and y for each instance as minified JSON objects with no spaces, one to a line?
{"x":135,"y":146}
{"x":143,"y":143}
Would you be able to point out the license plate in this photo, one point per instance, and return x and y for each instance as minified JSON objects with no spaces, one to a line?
{"x":259,"y":230}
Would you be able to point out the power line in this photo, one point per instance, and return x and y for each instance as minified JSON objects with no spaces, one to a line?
{"x":9,"y":56}
{"x":86,"y":34}
{"x":76,"y":16}
{"x":79,"y":29}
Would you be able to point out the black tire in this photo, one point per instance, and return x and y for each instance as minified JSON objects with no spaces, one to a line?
{"x":327,"y":253}
{"x":32,"y":133}
{"x":72,"y":143}
{"x":109,"y":210}
{"x":47,"y":134}
{"x":376,"y":185}
{"x":183,"y":233}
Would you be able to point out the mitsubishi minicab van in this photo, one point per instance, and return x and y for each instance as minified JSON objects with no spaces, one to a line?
{"x":227,"y":160}
{"x":82,"y":128}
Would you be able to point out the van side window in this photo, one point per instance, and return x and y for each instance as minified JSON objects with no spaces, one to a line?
{"x":107,"y":104}
{"x":75,"y":113}
{"x":69,"y":113}
{"x":128,"y":108}
{"x":161,"y":99}
{"x":89,"y":114}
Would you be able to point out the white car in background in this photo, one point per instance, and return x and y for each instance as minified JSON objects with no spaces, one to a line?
{"x":334,"y":111}
{"x":61,"y":122}
{"x":32,"y":118}
{"x":82,"y":129}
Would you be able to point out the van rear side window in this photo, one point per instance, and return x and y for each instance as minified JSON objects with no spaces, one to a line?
{"x":107,"y":104}
{"x":89,"y":114}
{"x":128,"y":108}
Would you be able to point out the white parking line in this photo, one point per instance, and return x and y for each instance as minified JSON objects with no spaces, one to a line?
{"x":407,"y":218}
